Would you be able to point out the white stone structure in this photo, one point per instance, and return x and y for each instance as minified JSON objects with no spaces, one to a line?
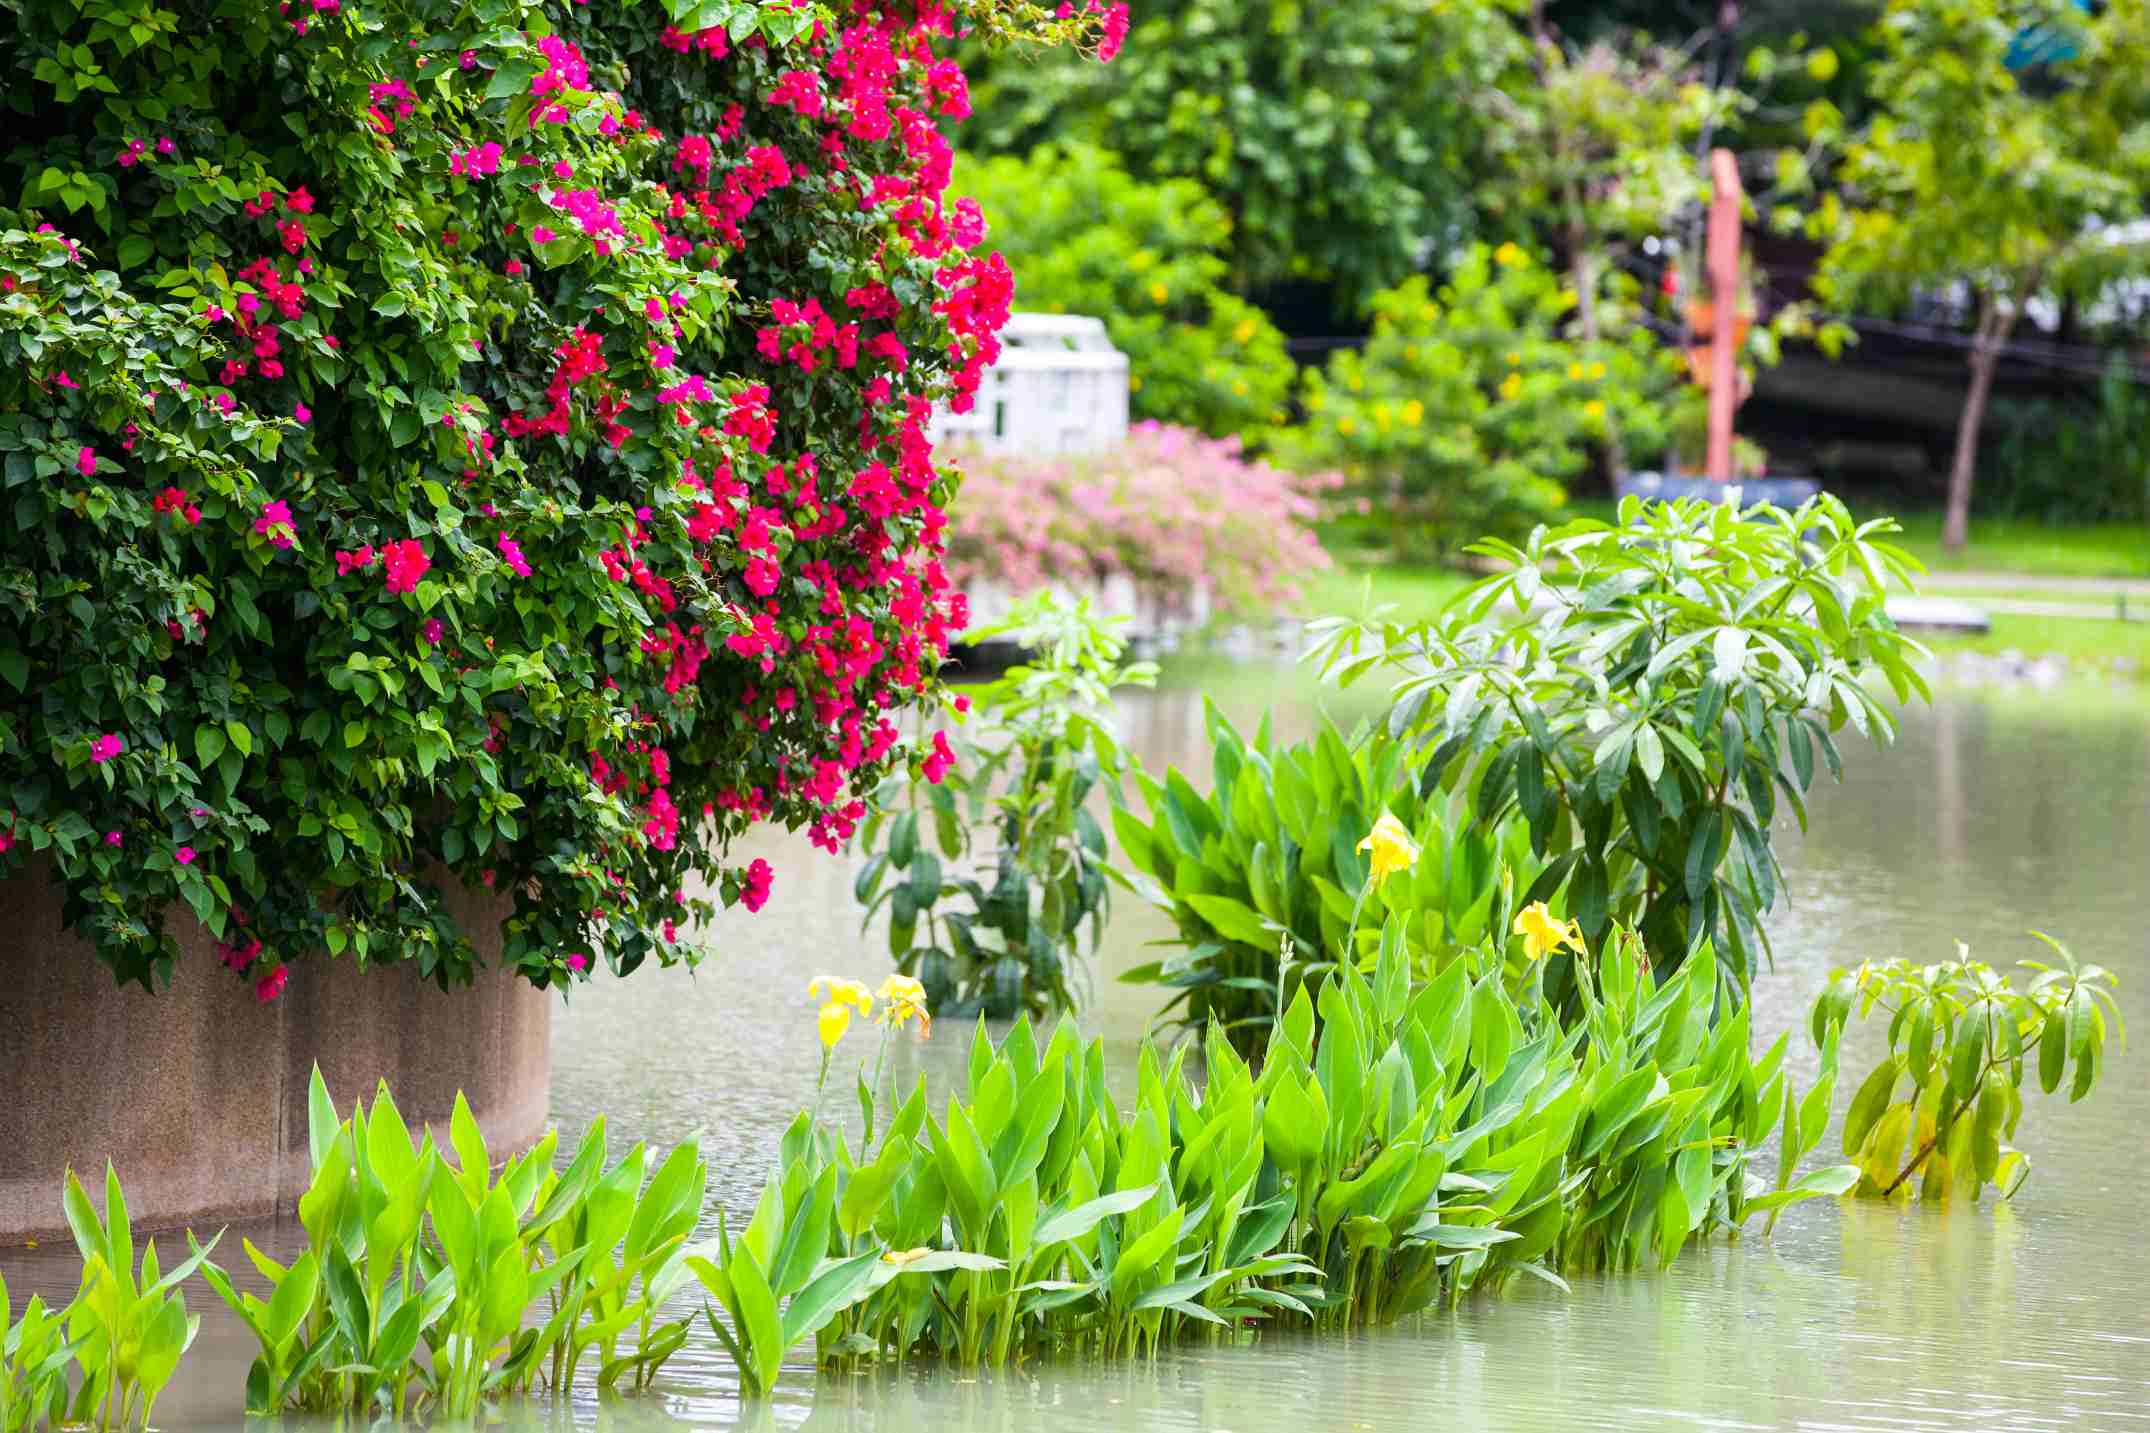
{"x":1059,"y":387}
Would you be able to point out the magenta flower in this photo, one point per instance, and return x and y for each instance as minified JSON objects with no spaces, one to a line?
{"x":86,"y":462}
{"x":184,"y":855}
{"x":113,"y":838}
{"x":403,"y":563}
{"x":578,"y":962}
{"x":303,"y":413}
{"x":432,"y":631}
{"x":106,"y":747}
{"x":269,"y":986}
{"x":275,"y":523}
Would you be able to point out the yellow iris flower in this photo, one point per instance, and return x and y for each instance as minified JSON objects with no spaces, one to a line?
{"x":1542,"y":935}
{"x":1391,"y":846}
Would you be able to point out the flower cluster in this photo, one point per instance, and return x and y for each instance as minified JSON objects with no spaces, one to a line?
{"x":644,"y":578}
{"x":1174,"y":511}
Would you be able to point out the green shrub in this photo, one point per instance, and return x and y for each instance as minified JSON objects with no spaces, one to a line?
{"x":1469,"y":407}
{"x":476,"y":441}
{"x":1642,"y":693}
{"x":2074,"y":461}
{"x":1150,"y":258}
{"x":1960,"y":1033}
{"x":997,"y":929}
{"x":1262,"y":876}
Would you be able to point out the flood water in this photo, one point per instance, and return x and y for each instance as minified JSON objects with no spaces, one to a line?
{"x":1998,"y":810}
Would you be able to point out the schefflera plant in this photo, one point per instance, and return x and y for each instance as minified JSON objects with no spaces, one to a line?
{"x":504,"y":1284}
{"x":1962,"y":1034}
{"x":1645,"y":693}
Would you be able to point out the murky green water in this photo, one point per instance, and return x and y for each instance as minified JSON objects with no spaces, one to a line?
{"x":1998,"y":810}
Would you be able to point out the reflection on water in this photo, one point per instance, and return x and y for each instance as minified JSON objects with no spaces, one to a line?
{"x":1997,"y":811}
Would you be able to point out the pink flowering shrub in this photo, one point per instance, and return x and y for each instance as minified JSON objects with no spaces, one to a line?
{"x":1172,"y":510}
{"x":483,"y":441}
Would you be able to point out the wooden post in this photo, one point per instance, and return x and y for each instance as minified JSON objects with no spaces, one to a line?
{"x":1724,"y":293}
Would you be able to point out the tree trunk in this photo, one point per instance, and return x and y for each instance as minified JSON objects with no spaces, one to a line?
{"x":1993,"y":329}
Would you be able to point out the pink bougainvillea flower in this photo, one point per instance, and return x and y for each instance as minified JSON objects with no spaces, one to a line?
{"x":298,"y":201}
{"x":275,"y":523}
{"x":403,"y":563}
{"x":303,"y":413}
{"x":432,"y":631}
{"x":271,"y":985}
{"x":113,"y":838}
{"x":578,"y":962}
{"x":754,"y":893}
{"x":106,"y":747}
{"x":184,"y":855}
{"x":86,"y":462}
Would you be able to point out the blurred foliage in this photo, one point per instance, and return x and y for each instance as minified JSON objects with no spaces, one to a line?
{"x":1151,"y":258}
{"x":1469,"y":406}
{"x":1341,"y":139}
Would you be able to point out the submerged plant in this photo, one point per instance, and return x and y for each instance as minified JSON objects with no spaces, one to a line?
{"x":35,"y":1355}
{"x":1428,"y":1140}
{"x":1274,"y":867}
{"x":1960,"y":1033}
{"x":126,"y":1328}
{"x":407,"y":1251}
{"x":997,"y":927}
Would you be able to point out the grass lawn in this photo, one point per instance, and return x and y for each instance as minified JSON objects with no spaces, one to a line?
{"x":2033,"y":549}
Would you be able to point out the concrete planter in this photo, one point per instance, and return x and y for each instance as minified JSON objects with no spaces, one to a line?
{"x":198,"y":1095}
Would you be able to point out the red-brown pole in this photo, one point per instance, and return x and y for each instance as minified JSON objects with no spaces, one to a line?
{"x":1724,"y":295}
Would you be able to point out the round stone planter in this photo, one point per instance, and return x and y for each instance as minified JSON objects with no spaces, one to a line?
{"x":198,"y":1095}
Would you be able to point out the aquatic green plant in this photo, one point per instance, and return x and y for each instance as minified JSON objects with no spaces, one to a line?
{"x":1432,"y":1138}
{"x":1643,"y":693}
{"x":127,"y":1329}
{"x":35,"y":1354}
{"x":997,"y":929}
{"x":407,"y":1250}
{"x":1960,"y":1034}
{"x":1269,"y":862}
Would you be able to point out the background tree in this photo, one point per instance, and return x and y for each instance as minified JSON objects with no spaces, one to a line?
{"x":1340,"y":138}
{"x":1971,"y":171}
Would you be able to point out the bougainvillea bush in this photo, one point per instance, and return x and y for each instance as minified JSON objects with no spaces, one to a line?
{"x":472,"y":443}
{"x":1173,"y":511}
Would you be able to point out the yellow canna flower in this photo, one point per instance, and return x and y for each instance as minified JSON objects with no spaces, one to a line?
{"x":1512,"y":387}
{"x":1508,"y":256}
{"x":1159,"y":293}
{"x":1413,"y":412}
{"x":1392,"y":847}
{"x":1543,"y":935}
{"x":1594,"y":409}
{"x":902,"y":1001}
{"x":833,"y":1021}
{"x":1575,"y":372}
{"x":1244,"y":332}
{"x":836,"y":990}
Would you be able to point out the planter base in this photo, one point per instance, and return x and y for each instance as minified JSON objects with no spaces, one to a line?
{"x":198,"y":1095}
